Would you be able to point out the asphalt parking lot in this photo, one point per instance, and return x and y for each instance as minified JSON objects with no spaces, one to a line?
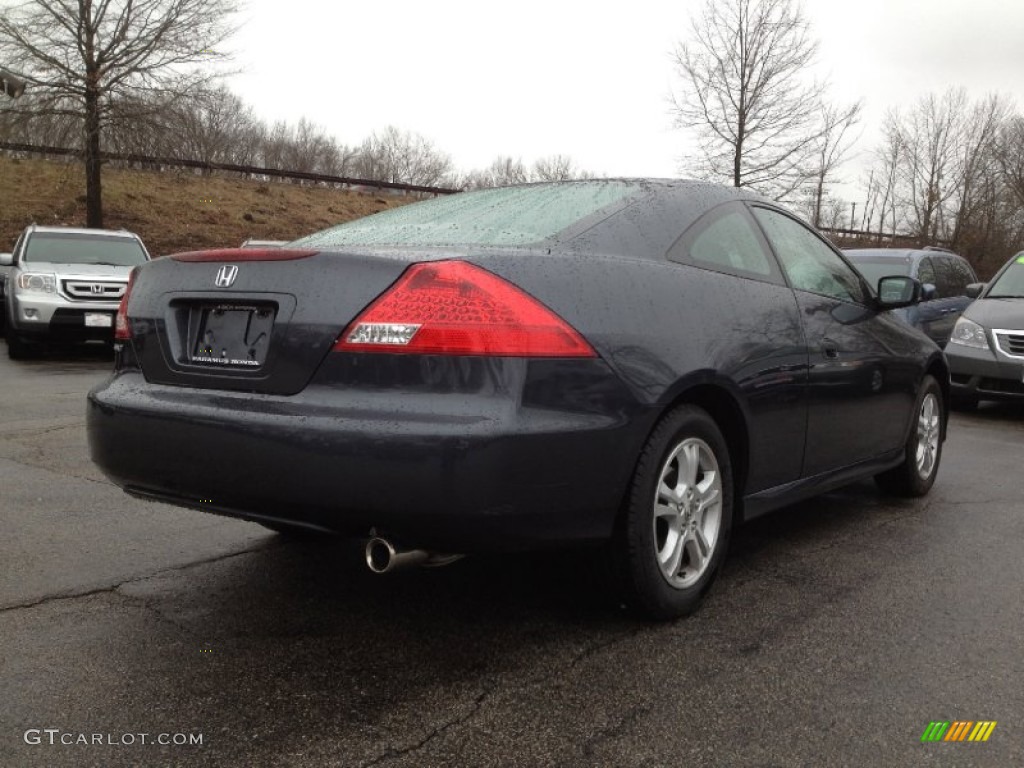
{"x":839,"y":629}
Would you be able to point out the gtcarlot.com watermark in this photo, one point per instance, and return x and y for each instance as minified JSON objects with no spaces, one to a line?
{"x":58,"y":737}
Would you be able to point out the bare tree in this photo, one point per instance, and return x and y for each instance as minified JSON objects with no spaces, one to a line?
{"x":975,"y":166}
{"x":831,"y":148}
{"x":503,"y":172}
{"x":210,"y":127}
{"x":557,"y":168}
{"x":1009,"y":152}
{"x":889,"y":157}
{"x":746,"y":94}
{"x":931,"y":135}
{"x":82,"y":56}
{"x":400,"y":156}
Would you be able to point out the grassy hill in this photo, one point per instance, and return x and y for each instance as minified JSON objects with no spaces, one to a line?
{"x":174,"y":210}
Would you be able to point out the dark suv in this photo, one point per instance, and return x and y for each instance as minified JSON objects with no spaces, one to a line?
{"x":946,"y":272}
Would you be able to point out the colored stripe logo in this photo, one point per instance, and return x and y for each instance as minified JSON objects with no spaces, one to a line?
{"x":958,"y":730}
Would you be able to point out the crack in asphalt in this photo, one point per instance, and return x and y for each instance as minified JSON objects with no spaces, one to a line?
{"x":32,"y":431}
{"x":597,"y":648}
{"x":478,"y":702}
{"x":392,"y":753}
{"x":50,"y":470}
{"x":615,"y":729}
{"x":114,"y":588}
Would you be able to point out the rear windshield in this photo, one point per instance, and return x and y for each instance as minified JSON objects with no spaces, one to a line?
{"x":507,"y":216}
{"x":1011,"y":283}
{"x":877,"y":268}
{"x":73,"y":248}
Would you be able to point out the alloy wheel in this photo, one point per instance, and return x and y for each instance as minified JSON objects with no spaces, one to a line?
{"x":687,"y":512}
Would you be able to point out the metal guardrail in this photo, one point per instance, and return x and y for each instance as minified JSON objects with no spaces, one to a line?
{"x":905,"y":240}
{"x":231,"y":168}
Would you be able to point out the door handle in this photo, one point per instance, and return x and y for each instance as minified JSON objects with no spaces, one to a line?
{"x":829,"y":349}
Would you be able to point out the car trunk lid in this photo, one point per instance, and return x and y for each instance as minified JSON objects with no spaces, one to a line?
{"x":251,"y":320}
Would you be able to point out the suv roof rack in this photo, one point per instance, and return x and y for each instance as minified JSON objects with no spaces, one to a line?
{"x":940,"y":248}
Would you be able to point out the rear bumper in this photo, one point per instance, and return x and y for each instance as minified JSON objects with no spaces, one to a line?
{"x":979,"y":373}
{"x":457,"y":473}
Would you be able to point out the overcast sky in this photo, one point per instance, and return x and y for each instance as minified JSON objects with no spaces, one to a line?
{"x":590,"y":80}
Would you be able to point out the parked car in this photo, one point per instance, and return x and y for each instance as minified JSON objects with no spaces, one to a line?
{"x":65,"y":284}
{"x":986,"y":351}
{"x":944,"y":274}
{"x":637,"y":364}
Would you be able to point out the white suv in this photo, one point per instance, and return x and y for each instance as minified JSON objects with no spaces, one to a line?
{"x":66,"y":284}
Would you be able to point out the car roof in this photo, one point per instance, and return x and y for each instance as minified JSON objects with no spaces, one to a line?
{"x":84,"y":231}
{"x":915,"y":254}
{"x":883,"y":253}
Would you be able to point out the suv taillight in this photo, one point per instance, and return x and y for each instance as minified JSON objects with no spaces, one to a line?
{"x":455,"y":308}
{"x":122,"y":328}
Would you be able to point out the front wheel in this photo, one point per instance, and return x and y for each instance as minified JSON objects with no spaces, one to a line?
{"x":923,"y":450}
{"x":17,"y":348}
{"x":672,"y":538}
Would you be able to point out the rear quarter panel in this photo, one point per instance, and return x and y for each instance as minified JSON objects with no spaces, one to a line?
{"x":665,"y":328}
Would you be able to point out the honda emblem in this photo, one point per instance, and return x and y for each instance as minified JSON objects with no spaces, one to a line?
{"x":226,"y":276}
{"x":96,"y":288}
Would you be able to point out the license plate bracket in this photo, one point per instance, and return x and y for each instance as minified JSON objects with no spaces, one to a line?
{"x":233,"y":336}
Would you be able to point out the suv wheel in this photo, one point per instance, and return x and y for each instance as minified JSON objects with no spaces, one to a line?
{"x":17,"y":348}
{"x":675,"y":528}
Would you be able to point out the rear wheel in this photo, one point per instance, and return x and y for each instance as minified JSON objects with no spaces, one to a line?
{"x":923,"y":450}
{"x":675,"y":529}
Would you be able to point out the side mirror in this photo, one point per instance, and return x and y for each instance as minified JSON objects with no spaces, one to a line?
{"x":6,"y":259}
{"x":928,"y":291}
{"x":973,"y":290}
{"x":898,"y":291}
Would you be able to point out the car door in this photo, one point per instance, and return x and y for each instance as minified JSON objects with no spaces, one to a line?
{"x":962,"y":276}
{"x":762,"y":346}
{"x":862,"y":371}
{"x":928,"y":315}
{"x":950,"y":298}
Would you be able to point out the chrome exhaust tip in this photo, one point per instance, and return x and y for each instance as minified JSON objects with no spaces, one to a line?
{"x":382,"y":556}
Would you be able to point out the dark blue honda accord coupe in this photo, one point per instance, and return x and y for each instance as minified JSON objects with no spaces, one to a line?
{"x":637,"y":364}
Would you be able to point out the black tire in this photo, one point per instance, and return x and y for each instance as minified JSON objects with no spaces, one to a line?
{"x":923,"y":451}
{"x":642,"y":534}
{"x":17,"y":348}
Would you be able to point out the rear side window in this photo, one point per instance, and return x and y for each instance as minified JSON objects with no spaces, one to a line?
{"x":727,"y":240}
{"x":926,"y":272}
{"x":946,"y":278}
{"x":964,"y":275}
{"x":809,"y":263}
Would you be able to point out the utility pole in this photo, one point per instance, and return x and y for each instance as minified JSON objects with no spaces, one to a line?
{"x":853,"y":215}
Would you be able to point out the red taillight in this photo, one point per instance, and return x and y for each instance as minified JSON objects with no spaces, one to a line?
{"x":455,"y":308}
{"x":122,"y":328}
